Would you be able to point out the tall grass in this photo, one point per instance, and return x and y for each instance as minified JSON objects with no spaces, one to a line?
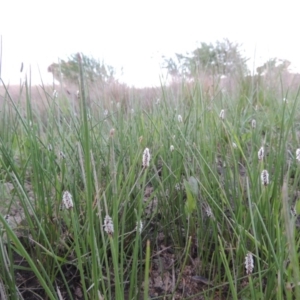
{"x":202,"y":198}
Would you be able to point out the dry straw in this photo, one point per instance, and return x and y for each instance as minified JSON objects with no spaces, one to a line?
{"x":112,"y":132}
{"x":62,"y":155}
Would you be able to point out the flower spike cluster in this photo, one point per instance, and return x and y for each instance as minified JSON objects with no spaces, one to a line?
{"x":67,"y":200}
{"x":222,"y":114}
{"x":249,"y":263}
{"x":265,"y":177}
{"x":298,"y":154}
{"x":108,"y":225}
{"x":146,"y":158}
{"x":139,"y":226}
{"x":261,"y":153}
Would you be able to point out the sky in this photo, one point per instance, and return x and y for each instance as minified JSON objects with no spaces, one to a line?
{"x":133,"y":35}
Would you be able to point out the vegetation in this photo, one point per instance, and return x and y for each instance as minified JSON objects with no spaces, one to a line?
{"x":222,"y":58}
{"x":86,"y":215}
{"x":94,"y":70}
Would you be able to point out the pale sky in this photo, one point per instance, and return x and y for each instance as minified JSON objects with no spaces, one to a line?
{"x":134,"y":34}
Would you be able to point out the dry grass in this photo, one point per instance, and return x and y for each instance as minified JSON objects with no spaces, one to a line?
{"x":98,"y":95}
{"x":279,"y":84}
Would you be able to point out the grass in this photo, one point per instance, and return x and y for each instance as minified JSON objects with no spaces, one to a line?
{"x":202,"y":204}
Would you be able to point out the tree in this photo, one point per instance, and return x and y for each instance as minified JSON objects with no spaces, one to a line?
{"x":221,"y":58}
{"x":273,"y":65}
{"x":93,"y":69}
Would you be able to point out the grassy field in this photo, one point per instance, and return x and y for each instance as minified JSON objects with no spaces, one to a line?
{"x":210,"y":212}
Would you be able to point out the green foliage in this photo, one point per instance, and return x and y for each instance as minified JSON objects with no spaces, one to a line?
{"x":297,"y":207}
{"x":221,"y":58}
{"x":273,"y":66}
{"x":191,"y":188}
{"x":93,"y":70}
{"x":202,"y":205}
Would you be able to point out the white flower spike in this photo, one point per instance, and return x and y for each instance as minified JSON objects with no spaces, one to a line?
{"x":222,"y":114}
{"x":146,"y":158}
{"x":261,"y":153}
{"x":108,"y":225}
{"x":265,"y":177}
{"x":298,"y":154}
{"x":67,"y":200}
{"x":249,"y":263}
{"x":139,"y":227}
